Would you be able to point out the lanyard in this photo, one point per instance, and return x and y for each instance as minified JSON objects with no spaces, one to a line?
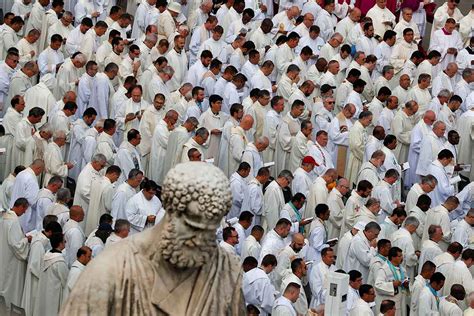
{"x":435,"y":294}
{"x":382,"y":257}
{"x":298,"y":216}
{"x":398,"y":275}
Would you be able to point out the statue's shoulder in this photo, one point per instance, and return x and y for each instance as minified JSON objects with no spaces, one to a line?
{"x":108,"y":284}
{"x":230,"y":263}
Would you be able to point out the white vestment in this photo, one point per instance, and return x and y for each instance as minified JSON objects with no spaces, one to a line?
{"x":138,"y":208}
{"x":14,"y":248}
{"x":51,"y":285}
{"x":258,"y":290}
{"x":26,"y":186}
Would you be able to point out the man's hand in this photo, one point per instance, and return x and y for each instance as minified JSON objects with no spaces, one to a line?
{"x":29,"y":237}
{"x":373,"y":243}
{"x":343,"y":128}
{"x":151,"y":219}
{"x":452,"y":50}
{"x":216,"y":131}
{"x":95,"y":14}
{"x":69,"y":165}
{"x":396,"y":283}
{"x":136,"y":65}
{"x":32,"y":53}
{"x":129,"y":117}
{"x":457,"y":168}
{"x":418,"y":253}
{"x":263,"y":8}
{"x":332,"y":243}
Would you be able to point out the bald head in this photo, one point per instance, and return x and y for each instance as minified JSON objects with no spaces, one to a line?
{"x":379,"y":132}
{"x":172,"y":115}
{"x":451,"y":69}
{"x":355,"y":15}
{"x":76,"y":213}
{"x":69,"y":96}
{"x":429,"y":117}
{"x":298,"y":238}
{"x":247,"y":122}
{"x":262,"y":143}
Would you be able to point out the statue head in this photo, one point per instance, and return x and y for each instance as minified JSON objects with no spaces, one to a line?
{"x":195,"y":196}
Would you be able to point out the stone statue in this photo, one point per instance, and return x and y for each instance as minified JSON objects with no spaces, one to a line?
{"x":174,"y":268}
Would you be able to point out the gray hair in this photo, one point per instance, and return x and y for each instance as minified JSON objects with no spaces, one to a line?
{"x":444,"y":93}
{"x":63,"y":195}
{"x":100,"y":123}
{"x":68,"y":14}
{"x":429,"y":179}
{"x":262,"y":140}
{"x":99,"y":158}
{"x":134,"y":173}
{"x":153,"y":38}
{"x":81,"y":58}
{"x":411,"y":220}
{"x":121,"y":224}
{"x":55,"y":180}
{"x":358,"y":53}
{"x":187,"y":85}
{"x":34,"y":32}
{"x":202,"y":132}
{"x":192,"y":120}
{"x":438,"y":123}
{"x":30,"y":65}
{"x":46,"y":128}
{"x":337,"y":35}
{"x":466,"y":73}
{"x":372,"y":201}
{"x":387,"y":68}
{"x":59,"y":134}
{"x":432,"y":230}
{"x":167,"y":70}
{"x":373,"y":226}
{"x":286,"y":174}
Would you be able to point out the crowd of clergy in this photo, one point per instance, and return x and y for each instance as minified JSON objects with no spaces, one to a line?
{"x":346,"y":132}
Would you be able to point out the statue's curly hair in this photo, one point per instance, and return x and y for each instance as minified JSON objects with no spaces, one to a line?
{"x":200,"y":182}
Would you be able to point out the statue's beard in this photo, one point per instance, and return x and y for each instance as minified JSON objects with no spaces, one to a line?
{"x":187,"y":251}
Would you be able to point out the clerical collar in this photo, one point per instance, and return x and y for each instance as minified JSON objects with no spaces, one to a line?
{"x":55,"y":251}
{"x":446,"y":32}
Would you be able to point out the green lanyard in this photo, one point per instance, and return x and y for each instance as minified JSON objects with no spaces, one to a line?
{"x":298,"y":216}
{"x":434,"y":293}
{"x":398,"y":275}
{"x":384,"y":259}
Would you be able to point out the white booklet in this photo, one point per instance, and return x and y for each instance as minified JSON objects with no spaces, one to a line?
{"x":405,"y":166}
{"x":454,"y":180}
